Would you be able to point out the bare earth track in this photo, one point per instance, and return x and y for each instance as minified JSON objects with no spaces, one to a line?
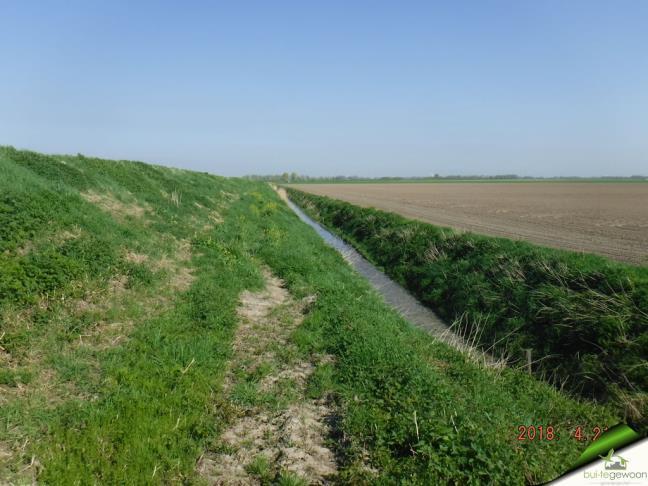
{"x":610,"y":219}
{"x":289,"y":438}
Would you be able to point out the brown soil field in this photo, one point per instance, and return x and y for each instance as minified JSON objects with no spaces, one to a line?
{"x":609,"y":219}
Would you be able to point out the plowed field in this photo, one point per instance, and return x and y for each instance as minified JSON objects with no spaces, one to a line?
{"x":610,"y":219}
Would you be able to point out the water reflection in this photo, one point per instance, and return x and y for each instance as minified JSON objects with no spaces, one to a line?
{"x":392,"y":292}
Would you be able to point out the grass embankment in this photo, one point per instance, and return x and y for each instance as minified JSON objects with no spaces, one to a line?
{"x":584,"y":317}
{"x":119,"y":285}
{"x":113,"y":281}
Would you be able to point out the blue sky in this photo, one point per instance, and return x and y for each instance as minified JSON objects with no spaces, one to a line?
{"x":324,"y":88}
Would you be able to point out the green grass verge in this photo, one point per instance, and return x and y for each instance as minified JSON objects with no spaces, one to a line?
{"x":584,"y":317}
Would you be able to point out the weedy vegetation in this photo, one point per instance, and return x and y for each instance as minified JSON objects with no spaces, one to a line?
{"x":119,"y":363}
{"x":584,"y":318}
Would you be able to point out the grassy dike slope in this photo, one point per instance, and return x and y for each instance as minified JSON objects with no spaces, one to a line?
{"x":119,"y":283}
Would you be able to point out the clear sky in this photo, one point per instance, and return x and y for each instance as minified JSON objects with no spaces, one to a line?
{"x":370,"y":88}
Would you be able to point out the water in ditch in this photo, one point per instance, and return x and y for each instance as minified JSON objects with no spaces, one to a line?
{"x":395,"y":295}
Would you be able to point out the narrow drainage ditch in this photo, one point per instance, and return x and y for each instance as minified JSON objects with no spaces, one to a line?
{"x":395,"y":295}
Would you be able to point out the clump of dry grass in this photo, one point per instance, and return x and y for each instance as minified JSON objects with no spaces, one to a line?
{"x":470,"y":343}
{"x":175,"y":265}
{"x":134,"y":257}
{"x":176,"y":197}
{"x":433,"y":253}
{"x":111,"y":204}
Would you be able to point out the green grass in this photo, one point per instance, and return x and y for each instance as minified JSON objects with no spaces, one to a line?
{"x":584,"y":317}
{"x":113,"y":413}
{"x":261,"y":468}
{"x":112,"y":368}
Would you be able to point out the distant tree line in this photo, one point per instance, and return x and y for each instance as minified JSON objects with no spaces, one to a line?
{"x":293,"y":177}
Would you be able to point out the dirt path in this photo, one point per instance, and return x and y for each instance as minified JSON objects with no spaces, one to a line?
{"x":281,"y":192}
{"x":277,"y":432}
